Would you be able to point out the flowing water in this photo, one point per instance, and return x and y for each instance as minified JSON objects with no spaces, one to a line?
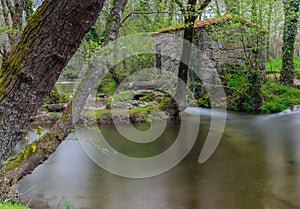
{"x":256,"y":166}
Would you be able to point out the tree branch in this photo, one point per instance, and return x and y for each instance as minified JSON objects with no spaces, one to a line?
{"x":10,"y":8}
{"x":142,"y":13}
{"x":181,"y":6}
{"x":204,"y":4}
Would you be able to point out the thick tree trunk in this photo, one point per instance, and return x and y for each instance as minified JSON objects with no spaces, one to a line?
{"x":291,"y":8}
{"x":35,"y":154}
{"x":29,"y":72}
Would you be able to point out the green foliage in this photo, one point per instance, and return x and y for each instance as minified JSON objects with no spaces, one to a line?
{"x":279,"y":97}
{"x":236,"y":78}
{"x":68,"y":206}
{"x":107,"y":85}
{"x":56,"y":97}
{"x":12,"y":206}
{"x":242,"y":87}
{"x":204,"y":101}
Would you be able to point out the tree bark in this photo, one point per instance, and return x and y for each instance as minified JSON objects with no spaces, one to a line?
{"x":29,"y":72}
{"x":112,"y":29}
{"x":188,"y":35}
{"x":270,"y":8}
{"x":35,"y":154}
{"x":291,"y":8}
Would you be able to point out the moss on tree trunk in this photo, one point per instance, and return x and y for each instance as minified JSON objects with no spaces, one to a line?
{"x":30,"y":70}
{"x":291,"y":8}
{"x":34,"y":154}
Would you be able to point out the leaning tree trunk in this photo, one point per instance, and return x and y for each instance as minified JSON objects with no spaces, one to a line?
{"x":30,"y":70}
{"x":112,"y":30}
{"x":291,"y":8}
{"x":35,"y":154}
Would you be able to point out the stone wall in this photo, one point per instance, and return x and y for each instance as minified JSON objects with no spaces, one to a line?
{"x":218,"y":45}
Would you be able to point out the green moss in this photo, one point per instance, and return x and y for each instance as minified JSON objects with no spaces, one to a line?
{"x":165,"y":102}
{"x":140,"y":114}
{"x":10,"y":70}
{"x":142,"y":110}
{"x":27,"y":151}
{"x":9,"y":205}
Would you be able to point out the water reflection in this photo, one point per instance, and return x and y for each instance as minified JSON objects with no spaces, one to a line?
{"x":256,"y":166}
{"x":282,"y":140}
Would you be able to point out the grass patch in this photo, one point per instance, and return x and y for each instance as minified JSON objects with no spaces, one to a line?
{"x":275,"y":64}
{"x":279,"y":97}
{"x":12,"y":206}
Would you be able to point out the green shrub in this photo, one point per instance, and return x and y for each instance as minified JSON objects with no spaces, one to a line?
{"x":279,"y":97}
{"x":204,"y":101}
{"x":107,"y":85}
{"x":56,"y":97}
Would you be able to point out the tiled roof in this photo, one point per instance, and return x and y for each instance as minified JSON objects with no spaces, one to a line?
{"x":200,"y":23}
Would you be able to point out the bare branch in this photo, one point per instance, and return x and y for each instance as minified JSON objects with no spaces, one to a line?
{"x":204,"y":4}
{"x":142,"y":13}
{"x":10,"y":8}
{"x":181,"y":6}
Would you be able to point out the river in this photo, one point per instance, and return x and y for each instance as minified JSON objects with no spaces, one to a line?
{"x":255,"y":166}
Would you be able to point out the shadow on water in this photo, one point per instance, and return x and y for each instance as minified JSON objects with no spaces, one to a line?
{"x":256,"y":166}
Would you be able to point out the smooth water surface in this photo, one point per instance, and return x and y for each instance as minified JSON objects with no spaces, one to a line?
{"x":256,"y":166}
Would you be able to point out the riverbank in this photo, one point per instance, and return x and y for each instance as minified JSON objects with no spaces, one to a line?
{"x":143,"y":106}
{"x":146,"y":108}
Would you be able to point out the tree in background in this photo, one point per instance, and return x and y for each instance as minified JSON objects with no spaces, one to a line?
{"x":291,"y":13}
{"x":13,"y":18}
{"x":191,"y":12}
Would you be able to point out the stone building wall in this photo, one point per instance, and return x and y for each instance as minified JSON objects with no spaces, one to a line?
{"x":218,"y":45}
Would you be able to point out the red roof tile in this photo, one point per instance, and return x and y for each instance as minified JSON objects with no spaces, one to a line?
{"x":200,"y":23}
